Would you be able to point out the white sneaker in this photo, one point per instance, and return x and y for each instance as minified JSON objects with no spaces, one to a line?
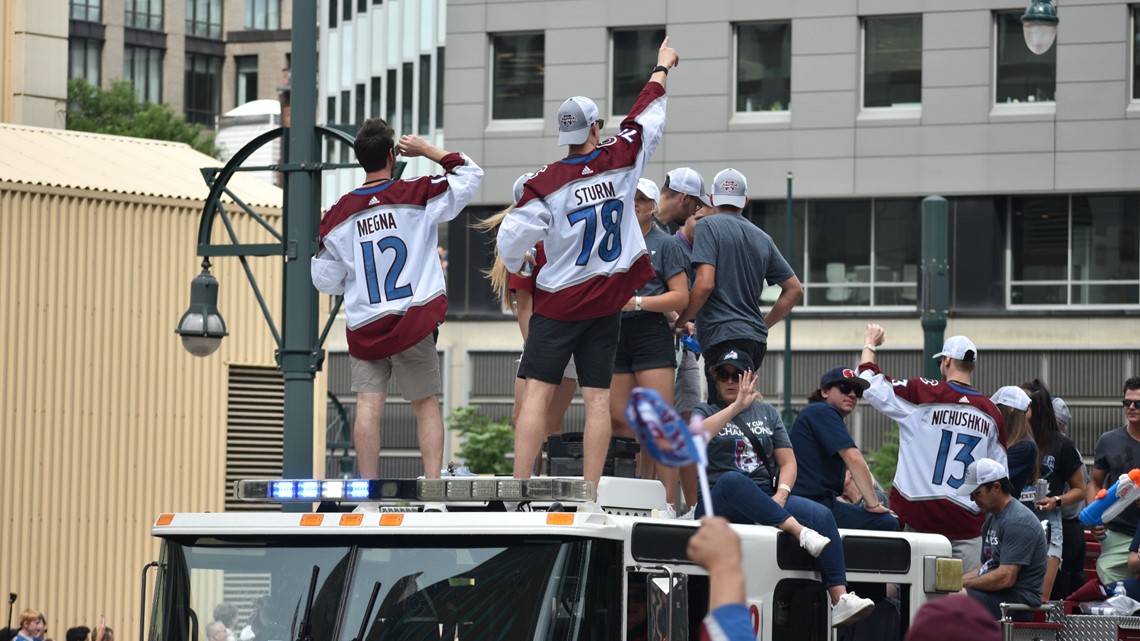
{"x":851,"y":608}
{"x":813,"y":541}
{"x":667,"y":513}
{"x":434,"y":507}
{"x":690,"y":515}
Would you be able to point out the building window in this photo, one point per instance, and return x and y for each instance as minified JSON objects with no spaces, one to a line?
{"x":334,"y":13}
{"x":360,"y":102}
{"x":1074,"y":250}
{"x":84,"y":56}
{"x":142,"y":67}
{"x":390,"y":99}
{"x":144,"y":14}
{"x":892,"y":61}
{"x":346,"y":10}
{"x":407,"y":96}
{"x":1135,"y":59}
{"x":425,"y":94}
{"x":246,"y":72}
{"x":764,"y":67}
{"x":439,"y":87}
{"x":374,"y":96}
{"x":203,"y":96}
{"x":1022,"y":76}
{"x":87,"y":10}
{"x":345,"y":107}
{"x":858,"y":253}
{"x":518,"y":72}
{"x":361,"y":6}
{"x":634,"y":56}
{"x":263,"y":14}
{"x":204,"y":19}
{"x":330,"y":110}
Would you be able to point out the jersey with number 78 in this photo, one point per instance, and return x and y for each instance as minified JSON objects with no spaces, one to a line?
{"x":943,"y":427}
{"x":378,"y":249}
{"x":581,"y":207}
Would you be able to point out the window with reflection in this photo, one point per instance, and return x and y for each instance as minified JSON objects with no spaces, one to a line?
{"x":518,"y":69}
{"x":1022,"y":76}
{"x":246,"y":74}
{"x":764,"y":66}
{"x":634,"y":56}
{"x":263,"y":14}
{"x":204,"y":19}
{"x":892,"y":61}
{"x":142,"y":67}
{"x":84,"y":58}
{"x":1135,"y":59}
{"x":144,"y":14}
{"x":87,"y":10}
{"x":203,"y":89}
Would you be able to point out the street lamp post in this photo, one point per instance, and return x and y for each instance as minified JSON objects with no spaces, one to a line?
{"x":1039,"y":25}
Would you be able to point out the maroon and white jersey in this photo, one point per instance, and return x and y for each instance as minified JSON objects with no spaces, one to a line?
{"x":943,"y":427}
{"x":581,"y":207}
{"x":378,"y":249}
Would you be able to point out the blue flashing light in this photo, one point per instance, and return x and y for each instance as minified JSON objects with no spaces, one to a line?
{"x":282,"y":490}
{"x":308,"y":489}
{"x":357,"y":490}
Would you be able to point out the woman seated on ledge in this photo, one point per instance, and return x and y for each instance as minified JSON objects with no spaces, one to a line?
{"x":742,"y":480}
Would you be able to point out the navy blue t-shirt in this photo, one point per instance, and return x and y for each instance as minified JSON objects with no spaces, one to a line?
{"x":818,"y":435}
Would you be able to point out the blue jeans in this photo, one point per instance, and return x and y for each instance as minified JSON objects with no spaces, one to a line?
{"x":738,"y":499}
{"x":854,"y":517}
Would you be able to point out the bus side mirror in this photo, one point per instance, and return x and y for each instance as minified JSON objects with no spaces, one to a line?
{"x":668,"y":610}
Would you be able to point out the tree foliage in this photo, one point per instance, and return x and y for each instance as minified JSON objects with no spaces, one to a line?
{"x":885,"y":459}
{"x":486,"y":442}
{"x":117,"y":111}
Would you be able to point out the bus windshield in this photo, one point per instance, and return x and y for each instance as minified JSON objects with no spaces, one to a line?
{"x":471,"y":588}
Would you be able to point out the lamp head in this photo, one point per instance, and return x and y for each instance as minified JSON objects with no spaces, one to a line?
{"x":1039,"y":24}
{"x":202,"y":327}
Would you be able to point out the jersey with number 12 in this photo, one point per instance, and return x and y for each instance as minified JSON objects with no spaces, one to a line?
{"x":943,"y":427}
{"x":378,"y":249}
{"x":581,"y":207}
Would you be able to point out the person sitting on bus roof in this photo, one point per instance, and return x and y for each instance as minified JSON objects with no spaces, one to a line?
{"x":752,"y":468}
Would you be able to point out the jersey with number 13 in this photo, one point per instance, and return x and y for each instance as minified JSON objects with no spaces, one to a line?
{"x":943,"y":427}
{"x":378,"y":249}
{"x":582,"y":208}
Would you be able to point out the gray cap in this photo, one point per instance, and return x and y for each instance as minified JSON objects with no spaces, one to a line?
{"x":729,"y":187}
{"x":517,"y":190}
{"x":685,"y":180}
{"x":574,"y":119}
{"x":1061,"y":410}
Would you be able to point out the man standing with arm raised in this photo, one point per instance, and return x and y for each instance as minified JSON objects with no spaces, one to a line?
{"x":582,"y":207}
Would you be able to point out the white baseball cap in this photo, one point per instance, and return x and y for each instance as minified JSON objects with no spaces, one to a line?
{"x":1012,"y":396}
{"x":687,"y":181}
{"x":959,"y":348}
{"x":574,"y":119}
{"x":729,"y":187}
{"x":649,"y":188}
{"x":517,"y":190}
{"x":982,"y":472}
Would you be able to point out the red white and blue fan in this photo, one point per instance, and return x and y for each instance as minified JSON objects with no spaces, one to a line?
{"x":666,"y":437}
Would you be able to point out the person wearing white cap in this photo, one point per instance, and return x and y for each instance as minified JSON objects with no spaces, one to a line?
{"x":516,"y":295}
{"x":1012,"y":562}
{"x":645,"y":356}
{"x":733,"y":258}
{"x":943,"y":427}
{"x":1060,"y":466}
{"x":582,"y":208}
{"x":682,"y":194}
{"x":1020,"y":446}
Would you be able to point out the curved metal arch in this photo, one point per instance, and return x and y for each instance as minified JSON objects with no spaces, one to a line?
{"x":220,"y":179}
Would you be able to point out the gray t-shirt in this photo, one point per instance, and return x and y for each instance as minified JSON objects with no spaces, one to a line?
{"x":668,"y":261}
{"x":1015,"y":537}
{"x":744,"y":257}
{"x":730,"y":450}
{"x":1117,"y":453}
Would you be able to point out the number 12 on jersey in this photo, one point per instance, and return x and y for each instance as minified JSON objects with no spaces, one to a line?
{"x":609,"y":249}
{"x":965,"y":456}
{"x":391,"y":290}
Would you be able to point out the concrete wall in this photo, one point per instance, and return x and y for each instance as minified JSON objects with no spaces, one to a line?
{"x":33,"y":62}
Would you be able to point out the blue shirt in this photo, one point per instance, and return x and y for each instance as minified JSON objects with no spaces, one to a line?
{"x":818,"y":436}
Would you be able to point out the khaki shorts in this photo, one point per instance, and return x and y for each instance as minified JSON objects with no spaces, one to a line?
{"x":416,"y":369}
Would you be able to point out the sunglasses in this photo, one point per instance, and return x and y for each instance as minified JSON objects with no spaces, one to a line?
{"x":601,"y":123}
{"x":1133,"y":404}
{"x":847,"y":388}
{"x":725,"y":377}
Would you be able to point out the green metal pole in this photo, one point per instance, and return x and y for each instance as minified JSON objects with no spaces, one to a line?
{"x":300,"y":356}
{"x":935,"y":279}
{"x":790,"y":236}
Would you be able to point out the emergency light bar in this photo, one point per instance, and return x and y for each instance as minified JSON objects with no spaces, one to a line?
{"x":467,"y":489}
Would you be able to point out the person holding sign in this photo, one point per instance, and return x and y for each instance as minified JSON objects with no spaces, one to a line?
{"x":752,"y":470}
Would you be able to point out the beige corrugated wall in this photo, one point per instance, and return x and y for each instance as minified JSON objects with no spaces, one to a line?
{"x":106,"y":420}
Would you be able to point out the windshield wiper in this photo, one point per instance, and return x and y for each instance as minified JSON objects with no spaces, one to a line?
{"x":368,"y":611}
{"x":306,"y":632}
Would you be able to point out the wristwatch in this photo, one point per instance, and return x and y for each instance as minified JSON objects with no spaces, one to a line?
{"x":661,"y":68}
{"x":637,"y":303}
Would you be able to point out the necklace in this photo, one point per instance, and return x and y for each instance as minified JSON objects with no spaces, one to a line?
{"x":375,"y":182}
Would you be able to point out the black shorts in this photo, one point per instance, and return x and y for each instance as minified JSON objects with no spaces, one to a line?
{"x":646,"y":342}
{"x":550,"y":343}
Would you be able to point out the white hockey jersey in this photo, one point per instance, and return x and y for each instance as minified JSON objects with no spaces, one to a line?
{"x":378,"y":249}
{"x":581,"y":207}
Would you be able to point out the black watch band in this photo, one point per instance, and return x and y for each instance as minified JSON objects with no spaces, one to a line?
{"x":661,"y":68}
